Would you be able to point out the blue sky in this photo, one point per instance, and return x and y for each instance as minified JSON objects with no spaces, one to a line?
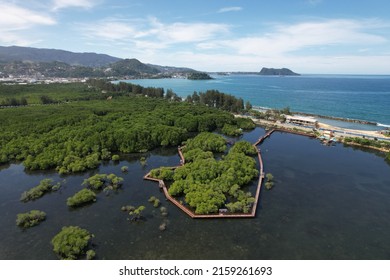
{"x":308,"y":36}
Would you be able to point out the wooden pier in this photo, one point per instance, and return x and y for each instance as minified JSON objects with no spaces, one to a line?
{"x":252,"y":214}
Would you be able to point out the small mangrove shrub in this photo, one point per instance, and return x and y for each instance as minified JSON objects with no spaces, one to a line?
{"x":80,"y":198}
{"x":71,"y":242}
{"x":270,"y":181}
{"x":143,"y":161}
{"x":127,"y":208}
{"x":155,"y":201}
{"x":164,"y":211}
{"x":136,"y":214}
{"x":125,"y":169}
{"x":100,"y":181}
{"x":90,"y":255}
{"x":45,"y":186}
{"x":30,"y":219}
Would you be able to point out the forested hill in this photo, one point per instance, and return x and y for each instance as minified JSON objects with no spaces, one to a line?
{"x":277,"y":72}
{"x":14,"y":53}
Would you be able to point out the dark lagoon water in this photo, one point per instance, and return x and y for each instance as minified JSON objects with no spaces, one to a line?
{"x":345,"y":96}
{"x":327,"y":203}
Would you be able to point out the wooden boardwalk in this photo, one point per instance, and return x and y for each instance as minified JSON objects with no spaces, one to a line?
{"x":252,"y":214}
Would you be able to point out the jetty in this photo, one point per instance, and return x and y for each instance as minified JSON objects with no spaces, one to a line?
{"x":223,"y":213}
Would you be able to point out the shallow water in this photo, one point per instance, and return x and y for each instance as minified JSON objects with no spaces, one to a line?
{"x":327,"y":203}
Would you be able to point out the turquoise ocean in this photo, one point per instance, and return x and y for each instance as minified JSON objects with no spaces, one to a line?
{"x":360,"y":97}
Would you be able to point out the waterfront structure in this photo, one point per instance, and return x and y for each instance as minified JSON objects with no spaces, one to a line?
{"x":301,"y":120}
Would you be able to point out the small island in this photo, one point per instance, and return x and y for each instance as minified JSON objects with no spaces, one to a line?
{"x":199,"y":76}
{"x":277,"y":72}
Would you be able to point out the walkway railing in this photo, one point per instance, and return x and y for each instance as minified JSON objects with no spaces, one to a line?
{"x":252,"y":214}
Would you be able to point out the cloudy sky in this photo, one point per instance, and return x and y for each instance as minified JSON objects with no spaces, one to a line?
{"x":308,"y":36}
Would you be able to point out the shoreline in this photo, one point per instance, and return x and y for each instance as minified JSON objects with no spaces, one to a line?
{"x":341,"y":119}
{"x":338,"y":132}
{"x":337,"y":118}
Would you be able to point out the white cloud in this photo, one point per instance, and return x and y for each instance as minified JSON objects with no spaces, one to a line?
{"x":152,"y":32}
{"x":110,"y":30}
{"x":229,"y":9}
{"x":62,"y":4}
{"x":299,"y":36}
{"x":190,"y":32}
{"x":14,"y":19}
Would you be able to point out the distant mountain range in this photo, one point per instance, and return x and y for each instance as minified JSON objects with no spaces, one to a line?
{"x":10,"y":54}
{"x":38,"y":63}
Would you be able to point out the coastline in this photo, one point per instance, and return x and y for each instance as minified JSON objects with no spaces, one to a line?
{"x":338,"y":132}
{"x":337,"y":118}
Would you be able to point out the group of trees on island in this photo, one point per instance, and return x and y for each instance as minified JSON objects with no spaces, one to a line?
{"x":45,"y":186}
{"x":208,"y":184}
{"x":30,"y":219}
{"x":72,"y":242}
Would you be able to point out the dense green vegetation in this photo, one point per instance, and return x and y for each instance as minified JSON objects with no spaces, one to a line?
{"x":367,"y":142}
{"x":216,"y":99}
{"x":71,"y":242}
{"x":208,"y":184}
{"x":245,"y":123}
{"x":206,"y":142}
{"x":81,"y":198}
{"x":30,"y":219}
{"x":45,"y":186}
{"x":164,"y":173}
{"x":244,"y":147}
{"x":77,"y":136}
{"x":271,"y":114}
{"x":33,"y":93}
{"x":231,"y":130}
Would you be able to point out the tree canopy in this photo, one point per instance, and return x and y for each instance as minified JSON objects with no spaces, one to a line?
{"x":208,"y":184}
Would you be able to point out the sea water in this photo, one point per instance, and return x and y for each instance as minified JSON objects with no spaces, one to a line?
{"x":360,"y":97}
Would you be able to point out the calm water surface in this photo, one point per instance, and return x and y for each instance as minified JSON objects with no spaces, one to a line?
{"x":327,"y":203}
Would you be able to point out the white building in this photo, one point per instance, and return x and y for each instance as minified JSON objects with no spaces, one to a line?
{"x":301,"y":120}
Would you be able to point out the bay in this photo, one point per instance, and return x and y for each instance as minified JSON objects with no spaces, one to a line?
{"x":361,"y":97}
